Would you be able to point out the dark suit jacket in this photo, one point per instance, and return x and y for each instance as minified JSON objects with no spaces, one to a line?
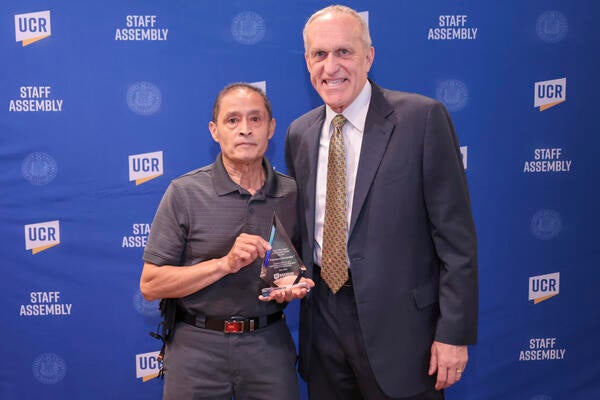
{"x":412,"y":243}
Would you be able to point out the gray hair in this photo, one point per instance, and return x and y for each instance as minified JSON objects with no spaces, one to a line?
{"x":339,"y":9}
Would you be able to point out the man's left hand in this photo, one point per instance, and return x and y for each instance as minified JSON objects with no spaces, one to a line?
{"x":449,"y":361}
{"x":289,"y":294}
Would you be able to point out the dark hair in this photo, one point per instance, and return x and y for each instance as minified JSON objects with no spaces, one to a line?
{"x":239,"y":85}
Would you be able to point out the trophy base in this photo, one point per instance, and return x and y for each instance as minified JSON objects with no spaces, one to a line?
{"x":266,"y":292}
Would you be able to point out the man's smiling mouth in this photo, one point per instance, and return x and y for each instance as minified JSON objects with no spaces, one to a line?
{"x":334,"y":82}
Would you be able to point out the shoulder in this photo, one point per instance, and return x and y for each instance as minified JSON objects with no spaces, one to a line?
{"x":313,"y":116}
{"x":285,"y":183}
{"x":193,"y":180}
{"x":194,"y":175}
{"x":285,"y":179}
{"x":396,"y":98}
{"x":403,"y":107}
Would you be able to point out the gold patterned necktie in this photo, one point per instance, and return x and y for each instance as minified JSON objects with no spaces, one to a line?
{"x":334,"y":262}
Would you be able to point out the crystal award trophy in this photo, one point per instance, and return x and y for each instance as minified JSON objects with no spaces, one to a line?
{"x":282,"y":267}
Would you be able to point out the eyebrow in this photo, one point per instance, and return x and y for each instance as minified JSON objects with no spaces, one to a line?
{"x":337,"y":48}
{"x":236,"y":112}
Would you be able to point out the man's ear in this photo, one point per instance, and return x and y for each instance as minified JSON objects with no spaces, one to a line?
{"x":212,"y":127}
{"x":370,"y":57}
{"x":271,"y":128}
{"x":306,"y":59}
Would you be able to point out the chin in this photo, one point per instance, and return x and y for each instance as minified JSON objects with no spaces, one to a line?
{"x":335,"y":101}
{"x":247,"y":158}
{"x":336,"y":106}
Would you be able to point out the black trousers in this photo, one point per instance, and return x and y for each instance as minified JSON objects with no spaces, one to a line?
{"x":339,"y":367}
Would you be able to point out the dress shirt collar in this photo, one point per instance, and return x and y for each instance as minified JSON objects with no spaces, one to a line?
{"x":356,"y":112}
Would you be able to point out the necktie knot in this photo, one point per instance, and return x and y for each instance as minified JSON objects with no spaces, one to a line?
{"x":339,"y":121}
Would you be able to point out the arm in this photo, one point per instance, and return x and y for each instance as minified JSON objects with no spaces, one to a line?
{"x":453,"y":232}
{"x":169,"y":281}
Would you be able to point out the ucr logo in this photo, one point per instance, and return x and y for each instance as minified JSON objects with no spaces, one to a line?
{"x":542,"y":287}
{"x":31,"y":27}
{"x":42,"y":236}
{"x":550,"y":93}
{"x":147,"y":366}
{"x":144,"y":167}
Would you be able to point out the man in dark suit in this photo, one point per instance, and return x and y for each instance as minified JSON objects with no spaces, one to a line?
{"x":392,"y":315}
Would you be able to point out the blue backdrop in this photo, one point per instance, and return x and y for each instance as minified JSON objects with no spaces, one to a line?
{"x":103,"y":103}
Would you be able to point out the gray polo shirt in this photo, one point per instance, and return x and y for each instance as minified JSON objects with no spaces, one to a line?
{"x":198,"y":219}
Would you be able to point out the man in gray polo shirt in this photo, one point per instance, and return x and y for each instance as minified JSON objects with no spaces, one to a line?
{"x":205,"y":249}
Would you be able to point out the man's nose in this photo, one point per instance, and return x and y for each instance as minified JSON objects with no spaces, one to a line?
{"x":330,"y":64}
{"x":245,"y":127}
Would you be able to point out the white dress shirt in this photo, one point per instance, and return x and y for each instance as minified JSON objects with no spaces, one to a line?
{"x":356,"y":115}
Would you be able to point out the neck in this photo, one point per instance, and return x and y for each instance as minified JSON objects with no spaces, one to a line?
{"x":250,"y":176}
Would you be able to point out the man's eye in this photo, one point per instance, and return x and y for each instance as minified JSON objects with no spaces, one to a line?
{"x":343,"y":52}
{"x":255,"y":119}
{"x":319,"y":54}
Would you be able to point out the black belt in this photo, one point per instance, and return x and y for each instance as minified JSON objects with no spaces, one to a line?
{"x":228,"y":325}
{"x":348,"y":283}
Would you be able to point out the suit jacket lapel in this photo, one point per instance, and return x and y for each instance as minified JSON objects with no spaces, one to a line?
{"x":375,"y":139}
{"x":313,"y":135}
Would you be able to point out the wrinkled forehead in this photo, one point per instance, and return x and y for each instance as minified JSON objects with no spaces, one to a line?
{"x":333,"y":30}
{"x":242,"y":100}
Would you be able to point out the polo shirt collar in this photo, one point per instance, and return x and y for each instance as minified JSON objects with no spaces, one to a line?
{"x":224,"y":184}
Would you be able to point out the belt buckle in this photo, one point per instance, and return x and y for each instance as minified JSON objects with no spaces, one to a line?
{"x":233,"y":325}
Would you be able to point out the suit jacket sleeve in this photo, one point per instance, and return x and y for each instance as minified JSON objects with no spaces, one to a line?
{"x":452,"y":229}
